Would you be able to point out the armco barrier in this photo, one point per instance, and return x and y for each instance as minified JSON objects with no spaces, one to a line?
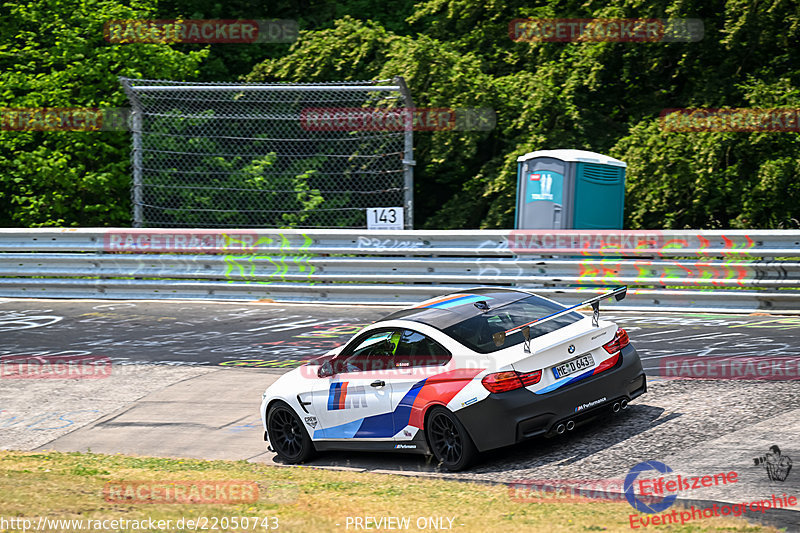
{"x":743,"y":270}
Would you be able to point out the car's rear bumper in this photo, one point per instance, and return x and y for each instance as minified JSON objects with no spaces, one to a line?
{"x":509,"y":417}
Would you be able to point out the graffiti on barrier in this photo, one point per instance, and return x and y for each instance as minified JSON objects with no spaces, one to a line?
{"x":245,"y":266}
{"x":613,"y":257}
{"x":389,"y":244}
{"x":705,"y":274}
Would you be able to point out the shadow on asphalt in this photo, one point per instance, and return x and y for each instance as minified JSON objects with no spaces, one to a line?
{"x":585,"y":440}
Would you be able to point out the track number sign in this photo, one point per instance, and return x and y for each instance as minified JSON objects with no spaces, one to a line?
{"x":384,"y":218}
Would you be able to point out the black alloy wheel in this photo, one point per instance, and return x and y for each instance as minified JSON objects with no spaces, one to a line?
{"x":287,"y":436}
{"x":448,"y":440}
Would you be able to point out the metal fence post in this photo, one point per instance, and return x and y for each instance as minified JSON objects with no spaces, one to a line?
{"x":136,"y":162}
{"x":408,"y":157}
{"x":136,"y":154}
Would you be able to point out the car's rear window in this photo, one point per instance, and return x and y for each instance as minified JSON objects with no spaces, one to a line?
{"x":476,"y":332}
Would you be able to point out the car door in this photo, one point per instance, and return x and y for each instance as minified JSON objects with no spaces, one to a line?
{"x":355,"y":402}
{"x":422,"y":375}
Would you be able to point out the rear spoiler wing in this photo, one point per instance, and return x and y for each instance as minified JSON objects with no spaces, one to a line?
{"x":618,"y":293}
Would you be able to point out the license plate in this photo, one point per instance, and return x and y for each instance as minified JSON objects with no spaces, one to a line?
{"x":573,"y":365}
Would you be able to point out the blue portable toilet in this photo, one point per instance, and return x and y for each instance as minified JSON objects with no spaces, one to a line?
{"x":569,"y":189}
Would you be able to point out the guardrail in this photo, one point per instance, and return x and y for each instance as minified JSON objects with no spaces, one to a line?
{"x":741,"y":270}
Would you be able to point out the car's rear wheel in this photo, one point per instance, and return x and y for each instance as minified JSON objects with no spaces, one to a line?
{"x":449,"y":440}
{"x":287,"y":436}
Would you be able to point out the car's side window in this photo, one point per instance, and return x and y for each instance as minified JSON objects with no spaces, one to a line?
{"x":416,"y":349}
{"x":374,"y":352}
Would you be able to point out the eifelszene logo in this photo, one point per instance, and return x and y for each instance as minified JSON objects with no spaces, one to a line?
{"x":644,"y":504}
{"x":655,"y":494}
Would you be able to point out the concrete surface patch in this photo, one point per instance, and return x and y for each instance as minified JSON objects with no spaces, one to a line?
{"x":211,"y":415}
{"x":34,"y":412}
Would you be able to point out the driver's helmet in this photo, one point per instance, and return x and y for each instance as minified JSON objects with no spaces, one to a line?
{"x":394,"y":340}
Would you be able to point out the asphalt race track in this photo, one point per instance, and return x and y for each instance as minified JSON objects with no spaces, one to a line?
{"x":277,"y":336}
{"x":187,"y":379}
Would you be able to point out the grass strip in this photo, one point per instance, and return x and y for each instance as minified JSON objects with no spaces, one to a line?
{"x":70,"y":486}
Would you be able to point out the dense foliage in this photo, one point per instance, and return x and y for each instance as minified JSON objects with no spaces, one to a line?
{"x":604,"y":97}
{"x":53,"y":54}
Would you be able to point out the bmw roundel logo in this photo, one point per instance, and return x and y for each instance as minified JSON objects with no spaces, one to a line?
{"x":571,"y":348}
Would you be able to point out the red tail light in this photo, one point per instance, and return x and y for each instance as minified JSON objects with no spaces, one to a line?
{"x":530,"y":378}
{"x":501,"y":381}
{"x":620,"y":341}
{"x":507,"y":381}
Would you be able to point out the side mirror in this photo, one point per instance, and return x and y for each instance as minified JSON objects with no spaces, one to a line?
{"x":326,"y":370}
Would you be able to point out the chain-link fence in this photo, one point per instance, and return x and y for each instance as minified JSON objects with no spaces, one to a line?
{"x":248,"y":155}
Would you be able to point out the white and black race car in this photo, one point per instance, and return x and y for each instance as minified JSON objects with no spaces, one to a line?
{"x":456,"y":375}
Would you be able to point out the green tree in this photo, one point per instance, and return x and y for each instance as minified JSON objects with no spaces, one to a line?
{"x":599,"y":96}
{"x":228,"y":62}
{"x":715,"y":179}
{"x":438,"y":76}
{"x":53,"y":54}
{"x":604,"y":97}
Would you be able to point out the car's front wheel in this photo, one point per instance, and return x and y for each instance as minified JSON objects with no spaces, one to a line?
{"x":287,"y":436}
{"x":449,"y":440}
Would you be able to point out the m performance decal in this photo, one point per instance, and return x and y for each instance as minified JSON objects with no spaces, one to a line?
{"x":340,"y":396}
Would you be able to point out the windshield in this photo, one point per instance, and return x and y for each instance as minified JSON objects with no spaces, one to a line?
{"x":476,"y":332}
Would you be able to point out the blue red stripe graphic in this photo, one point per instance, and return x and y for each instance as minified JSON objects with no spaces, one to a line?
{"x":438,"y":389}
{"x":337,"y":396}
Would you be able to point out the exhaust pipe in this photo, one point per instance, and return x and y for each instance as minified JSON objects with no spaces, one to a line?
{"x":615,"y":407}
{"x":570,"y":425}
{"x":560,"y":429}
{"x":624,"y":404}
